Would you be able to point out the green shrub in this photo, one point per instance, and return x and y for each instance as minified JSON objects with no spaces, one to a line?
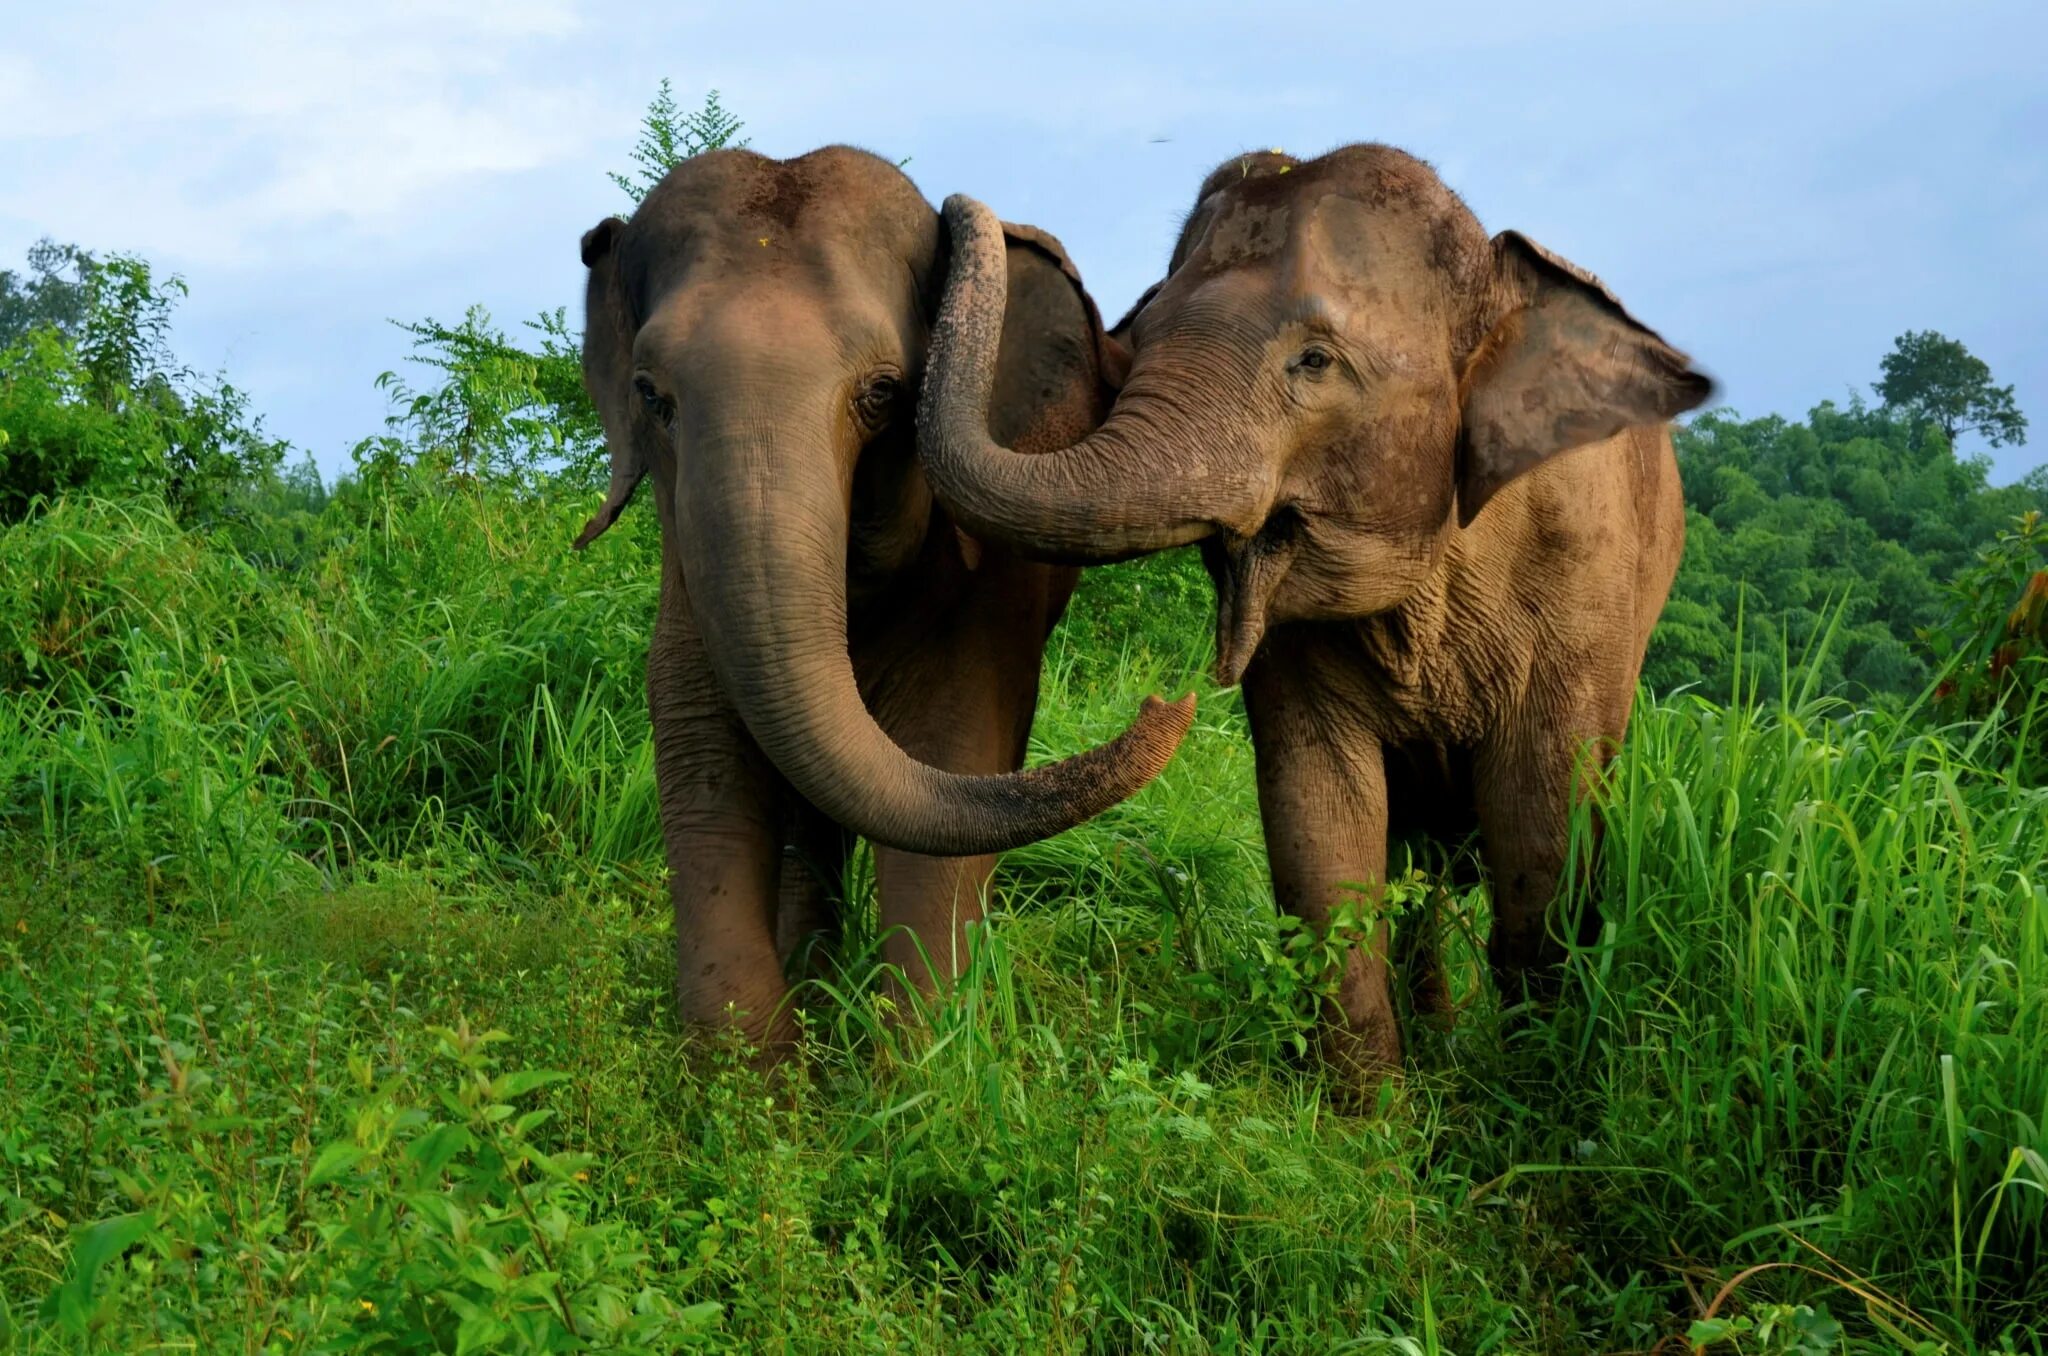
{"x":1996,"y":643}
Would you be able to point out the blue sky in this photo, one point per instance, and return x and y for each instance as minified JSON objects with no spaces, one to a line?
{"x":1778,"y":188}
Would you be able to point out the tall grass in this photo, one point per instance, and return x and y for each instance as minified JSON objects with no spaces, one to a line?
{"x":287,"y":835}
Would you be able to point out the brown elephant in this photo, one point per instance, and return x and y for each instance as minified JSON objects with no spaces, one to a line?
{"x":831,"y":655}
{"x":1358,"y":404}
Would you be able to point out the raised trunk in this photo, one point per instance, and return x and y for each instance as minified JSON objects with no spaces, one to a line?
{"x":763,"y":537}
{"x":1145,"y":481}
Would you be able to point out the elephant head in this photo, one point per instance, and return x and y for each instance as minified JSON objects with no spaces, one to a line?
{"x":751,"y":337}
{"x":1337,"y":375}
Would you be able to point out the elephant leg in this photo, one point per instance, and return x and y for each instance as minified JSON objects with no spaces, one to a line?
{"x":1419,"y":957}
{"x":927,"y":903}
{"x":1323,"y":801}
{"x":721,"y":826}
{"x":807,"y":905}
{"x":1419,"y":944}
{"x":1527,"y":776}
{"x":963,"y":701}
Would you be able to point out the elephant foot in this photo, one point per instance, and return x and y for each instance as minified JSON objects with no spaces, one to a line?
{"x":1361,"y":1060}
{"x":1423,"y":974}
{"x":1534,"y":987}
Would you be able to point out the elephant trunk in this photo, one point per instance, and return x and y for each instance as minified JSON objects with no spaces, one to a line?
{"x":763,"y":531}
{"x":1139,"y":483}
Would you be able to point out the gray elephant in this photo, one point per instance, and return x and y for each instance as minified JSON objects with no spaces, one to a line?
{"x":1432,"y":479}
{"x":832,"y":655}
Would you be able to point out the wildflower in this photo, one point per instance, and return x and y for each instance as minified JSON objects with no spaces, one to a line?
{"x":366,"y":1306}
{"x":582,"y":1176}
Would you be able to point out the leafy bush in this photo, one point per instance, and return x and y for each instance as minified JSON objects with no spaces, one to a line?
{"x":109,"y":409}
{"x":326,"y":814}
{"x":1846,"y":525}
{"x":1996,"y":643}
{"x":498,"y":411}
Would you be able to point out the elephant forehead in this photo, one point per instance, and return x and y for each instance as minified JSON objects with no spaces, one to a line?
{"x":1354,"y":246}
{"x":1244,"y":232}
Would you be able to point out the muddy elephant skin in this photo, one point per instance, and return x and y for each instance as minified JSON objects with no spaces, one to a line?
{"x":832,"y":655}
{"x":1432,"y":478}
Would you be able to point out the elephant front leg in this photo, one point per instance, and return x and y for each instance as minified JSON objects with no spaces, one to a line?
{"x":722,"y":832}
{"x":812,"y":891}
{"x":962,"y":700}
{"x":1526,"y":778}
{"x":926,"y":903}
{"x":1322,"y":798}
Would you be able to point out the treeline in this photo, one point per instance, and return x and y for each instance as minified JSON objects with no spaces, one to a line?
{"x":1841,"y":535}
{"x":1857,"y":539}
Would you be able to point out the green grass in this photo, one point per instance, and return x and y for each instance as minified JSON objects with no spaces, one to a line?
{"x":310,"y":870}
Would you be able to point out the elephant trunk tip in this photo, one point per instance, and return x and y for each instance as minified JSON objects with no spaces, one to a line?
{"x":1156,"y":734}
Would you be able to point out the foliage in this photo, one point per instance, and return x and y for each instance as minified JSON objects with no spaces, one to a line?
{"x":668,"y":136}
{"x":273,"y":830}
{"x":1934,"y":379}
{"x":53,"y":294}
{"x":335,"y":963}
{"x":109,"y":408}
{"x":1850,"y":521}
{"x":496,"y":410}
{"x":1996,"y":641}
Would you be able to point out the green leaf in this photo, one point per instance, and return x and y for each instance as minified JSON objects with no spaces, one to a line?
{"x":700,"y":1315}
{"x":522,"y":1081}
{"x":334,"y":1161}
{"x":437,"y":1148}
{"x":480,"y":1331}
{"x":100,"y":1243}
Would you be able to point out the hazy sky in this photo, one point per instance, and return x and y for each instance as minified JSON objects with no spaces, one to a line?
{"x":1779,"y":188}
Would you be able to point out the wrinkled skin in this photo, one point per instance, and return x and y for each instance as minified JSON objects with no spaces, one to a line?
{"x":1432,"y":478}
{"x":832,"y":655}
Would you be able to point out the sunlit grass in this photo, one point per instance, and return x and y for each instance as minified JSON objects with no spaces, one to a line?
{"x":272,"y":840}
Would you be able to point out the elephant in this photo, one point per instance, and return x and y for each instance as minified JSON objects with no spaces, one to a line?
{"x":831,"y":654}
{"x":1431,"y":477}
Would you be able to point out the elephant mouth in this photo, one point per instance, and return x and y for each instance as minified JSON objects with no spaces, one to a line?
{"x":1246,"y":572}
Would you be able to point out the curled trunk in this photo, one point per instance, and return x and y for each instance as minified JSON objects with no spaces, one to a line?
{"x":1142,"y":482}
{"x":764,"y":550}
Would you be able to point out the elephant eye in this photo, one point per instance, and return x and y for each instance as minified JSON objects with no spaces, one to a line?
{"x":877,"y":400}
{"x":1313,"y":359}
{"x":657,"y":405}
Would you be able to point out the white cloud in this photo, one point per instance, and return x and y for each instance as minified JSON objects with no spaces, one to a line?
{"x":201,"y":133}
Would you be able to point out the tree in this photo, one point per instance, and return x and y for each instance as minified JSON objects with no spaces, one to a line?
{"x":501,"y":409}
{"x":668,"y":136}
{"x":1840,"y":528}
{"x":1932,"y":378}
{"x":55,"y":292}
{"x":498,"y":411}
{"x":1995,"y":643}
{"x":97,"y":401}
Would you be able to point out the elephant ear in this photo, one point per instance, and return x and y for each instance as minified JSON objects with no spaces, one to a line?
{"x":1565,"y":365}
{"x":1120,"y":333}
{"x":1052,"y":332}
{"x":607,"y":363}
